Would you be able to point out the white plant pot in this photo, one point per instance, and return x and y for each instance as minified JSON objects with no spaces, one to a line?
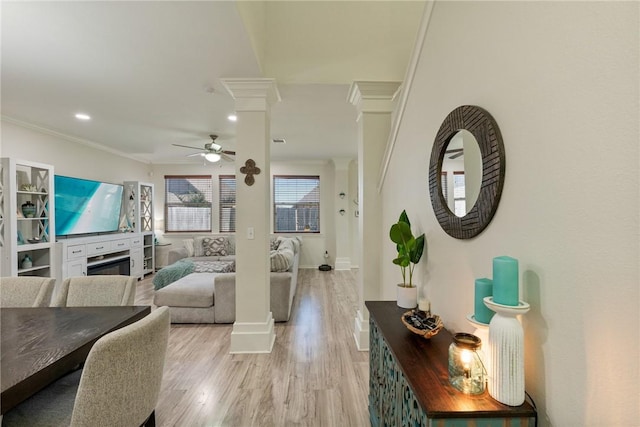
{"x":407,"y":297}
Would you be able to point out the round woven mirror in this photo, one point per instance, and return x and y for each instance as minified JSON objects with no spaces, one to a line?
{"x":484,"y":128}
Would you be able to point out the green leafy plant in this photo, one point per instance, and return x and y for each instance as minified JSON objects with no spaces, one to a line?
{"x":409,"y":248}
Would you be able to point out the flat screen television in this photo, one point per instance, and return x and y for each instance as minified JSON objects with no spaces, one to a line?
{"x":83,"y":206}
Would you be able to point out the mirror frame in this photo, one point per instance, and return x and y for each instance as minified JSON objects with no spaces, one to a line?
{"x":485,"y":129}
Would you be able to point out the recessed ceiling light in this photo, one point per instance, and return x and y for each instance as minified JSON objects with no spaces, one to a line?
{"x":279,"y":141}
{"x":232,"y":117}
{"x":83,"y":116}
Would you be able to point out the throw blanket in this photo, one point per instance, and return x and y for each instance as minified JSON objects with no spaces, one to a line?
{"x":183,"y":267}
{"x":173,"y":272}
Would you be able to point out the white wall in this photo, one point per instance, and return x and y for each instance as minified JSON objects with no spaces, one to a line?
{"x":68,"y":157}
{"x":561,"y":80}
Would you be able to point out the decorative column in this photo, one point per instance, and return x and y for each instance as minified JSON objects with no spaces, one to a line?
{"x":253,"y":329}
{"x":374,"y":104}
{"x":342,"y":214}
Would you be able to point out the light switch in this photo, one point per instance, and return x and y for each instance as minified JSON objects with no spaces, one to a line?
{"x":250,"y":233}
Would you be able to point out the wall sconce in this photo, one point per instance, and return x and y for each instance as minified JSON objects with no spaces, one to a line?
{"x":341,"y":195}
{"x":342,"y":212}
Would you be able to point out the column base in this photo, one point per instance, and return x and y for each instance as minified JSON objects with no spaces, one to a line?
{"x":249,"y":337}
{"x":343,"y":263}
{"x":361,"y":332}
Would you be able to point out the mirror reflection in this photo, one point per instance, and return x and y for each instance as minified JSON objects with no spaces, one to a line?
{"x":461,"y":175}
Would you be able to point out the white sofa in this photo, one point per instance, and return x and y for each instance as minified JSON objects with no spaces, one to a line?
{"x":209,"y":297}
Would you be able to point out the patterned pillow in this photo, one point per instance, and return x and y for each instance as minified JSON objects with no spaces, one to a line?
{"x":214,"y":246}
{"x":274,"y":243}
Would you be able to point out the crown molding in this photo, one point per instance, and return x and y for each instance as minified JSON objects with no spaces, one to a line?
{"x":70,"y":138}
{"x":372,"y":96}
{"x":408,"y":83}
{"x":252,"y":94}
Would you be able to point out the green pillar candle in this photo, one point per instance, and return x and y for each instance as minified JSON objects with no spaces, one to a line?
{"x":484,"y":288}
{"x":505,"y":281}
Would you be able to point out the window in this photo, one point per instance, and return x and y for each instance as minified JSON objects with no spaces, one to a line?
{"x":227,"y":185}
{"x":188,"y":202}
{"x":444,"y":183}
{"x":296,"y":204}
{"x":459,"y":202}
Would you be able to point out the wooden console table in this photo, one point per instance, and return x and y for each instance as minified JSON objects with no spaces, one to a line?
{"x":409,"y":380}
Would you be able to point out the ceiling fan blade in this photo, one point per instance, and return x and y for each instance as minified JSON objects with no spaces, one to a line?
{"x":186,"y":146}
{"x":225,"y":157}
{"x":455,"y":156}
{"x":232,"y":153}
{"x":195,"y":154}
{"x":454,"y":150}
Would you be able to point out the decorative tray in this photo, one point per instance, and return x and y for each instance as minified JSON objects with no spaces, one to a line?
{"x":422,"y":323}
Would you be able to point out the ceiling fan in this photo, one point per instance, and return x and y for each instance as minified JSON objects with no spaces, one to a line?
{"x":455,"y":153}
{"x":212,"y":151}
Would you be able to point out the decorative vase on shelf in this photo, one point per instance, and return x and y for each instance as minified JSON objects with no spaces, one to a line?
{"x":506,"y":353}
{"x":407,"y":296}
{"x":26,"y":262}
{"x":28,"y":209}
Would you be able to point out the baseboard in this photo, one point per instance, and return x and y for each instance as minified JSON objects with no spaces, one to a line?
{"x":343,"y":263}
{"x":361,"y":332}
{"x":253,"y":337}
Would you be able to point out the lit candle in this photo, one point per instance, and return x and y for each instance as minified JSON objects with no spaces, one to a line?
{"x":505,"y":281}
{"x":465,"y":357}
{"x":424,"y":305}
{"x":484,"y":288}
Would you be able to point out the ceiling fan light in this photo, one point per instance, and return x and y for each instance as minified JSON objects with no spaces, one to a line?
{"x":212,"y":157}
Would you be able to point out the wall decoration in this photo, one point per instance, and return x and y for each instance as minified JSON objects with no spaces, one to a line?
{"x":250,"y":169}
{"x":487,"y":134}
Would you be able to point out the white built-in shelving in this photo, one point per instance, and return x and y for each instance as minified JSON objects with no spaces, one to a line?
{"x":138,"y":208}
{"x":27,"y":234}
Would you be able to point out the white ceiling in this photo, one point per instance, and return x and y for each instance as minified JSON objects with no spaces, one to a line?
{"x":148,"y":72}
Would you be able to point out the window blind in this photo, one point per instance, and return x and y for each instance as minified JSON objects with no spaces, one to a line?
{"x":296,"y":204}
{"x":188,"y":201}
{"x":227,"y":199}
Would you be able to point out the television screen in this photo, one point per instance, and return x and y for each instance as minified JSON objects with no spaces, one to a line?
{"x":83,"y":206}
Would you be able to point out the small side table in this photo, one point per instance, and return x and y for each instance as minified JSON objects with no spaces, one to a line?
{"x":162,"y":252}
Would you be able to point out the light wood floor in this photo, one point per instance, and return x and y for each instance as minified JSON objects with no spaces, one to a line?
{"x":313,"y":377}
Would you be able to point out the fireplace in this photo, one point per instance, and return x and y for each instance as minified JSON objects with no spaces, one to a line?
{"x":120,"y":266}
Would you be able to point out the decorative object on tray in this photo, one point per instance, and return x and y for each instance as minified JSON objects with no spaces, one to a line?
{"x":28,"y":209}
{"x":422,"y":323}
{"x":410,"y":250}
{"x":34,"y":240}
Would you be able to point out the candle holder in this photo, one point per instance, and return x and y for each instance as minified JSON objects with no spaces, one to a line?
{"x":466,"y":369}
{"x":506,"y":353}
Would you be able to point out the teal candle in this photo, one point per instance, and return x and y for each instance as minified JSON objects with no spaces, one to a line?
{"x":484,"y":288}
{"x":505,"y":280}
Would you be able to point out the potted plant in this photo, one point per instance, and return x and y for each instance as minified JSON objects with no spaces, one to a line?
{"x":410,"y":251}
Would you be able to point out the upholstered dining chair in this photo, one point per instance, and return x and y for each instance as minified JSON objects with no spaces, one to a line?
{"x":118,"y":387}
{"x":93,"y":291}
{"x":26,"y":291}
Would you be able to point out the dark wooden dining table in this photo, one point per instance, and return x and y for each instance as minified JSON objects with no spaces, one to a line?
{"x":41,"y":345}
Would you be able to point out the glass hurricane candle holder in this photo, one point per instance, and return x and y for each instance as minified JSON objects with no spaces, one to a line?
{"x":466,"y":370}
